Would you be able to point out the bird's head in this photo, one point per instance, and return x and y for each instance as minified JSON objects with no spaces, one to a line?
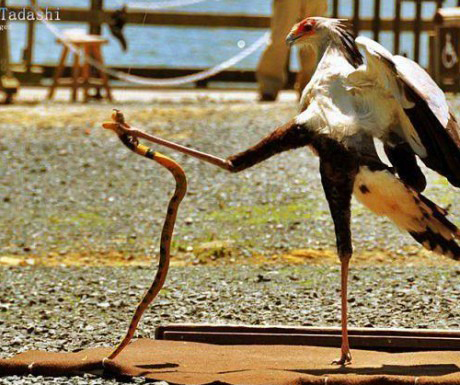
{"x":312,"y":31}
{"x":320,"y":32}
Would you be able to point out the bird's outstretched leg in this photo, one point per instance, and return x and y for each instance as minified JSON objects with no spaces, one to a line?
{"x":337,"y":176}
{"x":289,"y":136}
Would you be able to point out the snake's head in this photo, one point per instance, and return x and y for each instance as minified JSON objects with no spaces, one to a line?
{"x":122,"y":129}
{"x":117,"y":116}
{"x":117,"y":124}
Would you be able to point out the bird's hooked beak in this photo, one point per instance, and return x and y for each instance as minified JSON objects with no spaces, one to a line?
{"x":292,"y":38}
{"x":306,"y":28}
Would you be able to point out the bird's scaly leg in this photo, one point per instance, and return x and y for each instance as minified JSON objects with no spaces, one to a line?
{"x":345,"y":356}
{"x":337,"y":176}
{"x":286,"y":137}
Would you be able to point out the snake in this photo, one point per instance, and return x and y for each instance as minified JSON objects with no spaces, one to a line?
{"x":118,"y":125}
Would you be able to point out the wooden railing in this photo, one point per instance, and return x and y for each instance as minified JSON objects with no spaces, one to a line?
{"x":95,"y":16}
{"x":396,"y":25}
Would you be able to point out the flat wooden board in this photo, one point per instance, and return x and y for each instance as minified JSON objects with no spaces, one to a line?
{"x":391,"y":340}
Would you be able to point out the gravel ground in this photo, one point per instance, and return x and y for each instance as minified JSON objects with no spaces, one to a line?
{"x":72,"y":194}
{"x":72,"y":308}
{"x":71,"y":189}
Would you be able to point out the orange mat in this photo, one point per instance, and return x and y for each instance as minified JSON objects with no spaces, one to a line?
{"x":190,"y":363}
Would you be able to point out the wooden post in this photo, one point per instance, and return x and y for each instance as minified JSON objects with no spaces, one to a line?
{"x":417,"y":30}
{"x":397,"y":32}
{"x":4,"y":45}
{"x":356,"y":17}
{"x":95,"y":27}
{"x":29,"y":51}
{"x":376,"y":21}
{"x":335,"y":8}
{"x":8,"y":83}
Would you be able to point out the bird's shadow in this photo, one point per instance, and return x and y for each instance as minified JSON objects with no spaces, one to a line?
{"x":414,"y":370}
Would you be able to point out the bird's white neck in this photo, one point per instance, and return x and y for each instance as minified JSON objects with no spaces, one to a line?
{"x":321,"y":48}
{"x":330,"y":57}
{"x":326,"y":47}
{"x":338,"y":45}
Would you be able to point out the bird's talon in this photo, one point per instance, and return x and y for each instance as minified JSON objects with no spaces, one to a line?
{"x":104,"y":361}
{"x":344,"y":360}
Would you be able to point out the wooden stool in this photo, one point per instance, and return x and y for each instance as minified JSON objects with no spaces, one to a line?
{"x":81,"y":74}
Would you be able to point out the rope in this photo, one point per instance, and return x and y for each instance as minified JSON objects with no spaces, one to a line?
{"x":151,"y":81}
{"x":164,"y":4}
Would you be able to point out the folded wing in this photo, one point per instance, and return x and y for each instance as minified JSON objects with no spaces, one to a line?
{"x":433,"y":133}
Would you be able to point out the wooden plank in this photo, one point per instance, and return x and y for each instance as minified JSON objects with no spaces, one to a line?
{"x":388,"y":25}
{"x":383,"y":343}
{"x":274,"y":329}
{"x":205,"y":20}
{"x":397,"y":27}
{"x":372,"y":339}
{"x":70,"y":14}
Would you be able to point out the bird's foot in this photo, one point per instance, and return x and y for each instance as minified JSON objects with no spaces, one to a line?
{"x":345,"y":358}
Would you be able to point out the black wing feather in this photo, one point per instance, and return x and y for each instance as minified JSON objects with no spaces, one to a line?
{"x":431,"y":118}
{"x":435,"y":125}
{"x":443,"y":152}
{"x":404,"y":161}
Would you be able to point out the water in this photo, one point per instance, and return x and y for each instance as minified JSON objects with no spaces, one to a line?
{"x":192,"y":47}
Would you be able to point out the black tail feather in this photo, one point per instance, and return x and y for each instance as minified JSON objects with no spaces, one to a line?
{"x":438,"y":244}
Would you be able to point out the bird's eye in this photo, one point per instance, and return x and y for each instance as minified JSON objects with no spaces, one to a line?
{"x":308,"y":27}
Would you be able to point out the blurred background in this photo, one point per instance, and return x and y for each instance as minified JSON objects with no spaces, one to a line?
{"x":180,"y":46}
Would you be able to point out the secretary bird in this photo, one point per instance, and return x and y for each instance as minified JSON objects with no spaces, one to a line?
{"x":345,"y":106}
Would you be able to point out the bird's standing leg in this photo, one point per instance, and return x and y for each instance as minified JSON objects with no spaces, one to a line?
{"x":345,"y":356}
{"x":337,"y":179}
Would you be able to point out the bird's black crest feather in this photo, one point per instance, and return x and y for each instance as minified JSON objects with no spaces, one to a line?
{"x":349,"y":47}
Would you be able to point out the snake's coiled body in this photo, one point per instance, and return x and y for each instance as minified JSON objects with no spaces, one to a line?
{"x":166,"y":234}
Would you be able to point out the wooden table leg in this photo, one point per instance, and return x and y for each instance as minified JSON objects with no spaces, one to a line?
{"x":75,"y":76}
{"x":58,"y":72}
{"x":86,"y":73}
{"x":102,"y":74}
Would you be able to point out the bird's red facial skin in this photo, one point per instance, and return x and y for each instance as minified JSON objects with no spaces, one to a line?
{"x":306,"y":27}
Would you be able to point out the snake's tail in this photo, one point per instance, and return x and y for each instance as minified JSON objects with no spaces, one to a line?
{"x":166,"y":236}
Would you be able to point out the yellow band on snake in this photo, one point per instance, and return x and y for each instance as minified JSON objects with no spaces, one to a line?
{"x":142,"y":150}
